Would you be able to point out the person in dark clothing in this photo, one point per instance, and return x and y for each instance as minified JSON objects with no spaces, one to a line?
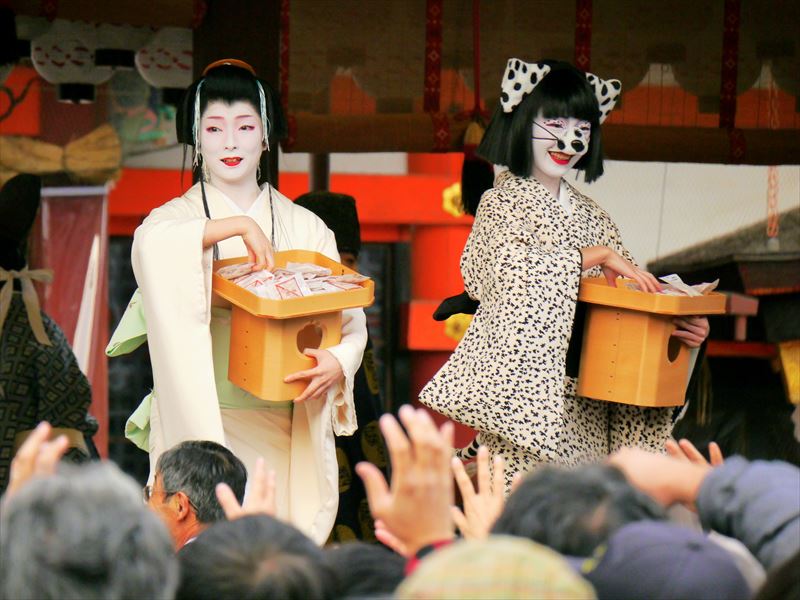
{"x":40,"y":379}
{"x":353,"y":520}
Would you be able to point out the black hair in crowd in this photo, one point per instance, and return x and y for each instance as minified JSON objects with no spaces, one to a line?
{"x":574,"y":510}
{"x":255,"y":557}
{"x":229,"y":84}
{"x":563,"y":92}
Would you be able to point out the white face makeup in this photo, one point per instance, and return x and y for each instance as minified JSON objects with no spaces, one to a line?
{"x":558,"y":143}
{"x":230,"y":141}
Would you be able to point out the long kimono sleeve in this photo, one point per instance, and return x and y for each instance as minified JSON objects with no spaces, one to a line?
{"x":174,"y":275}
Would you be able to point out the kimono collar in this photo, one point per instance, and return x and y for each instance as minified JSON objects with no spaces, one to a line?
{"x":507,"y":180}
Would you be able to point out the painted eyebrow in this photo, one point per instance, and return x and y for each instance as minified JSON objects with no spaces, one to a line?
{"x":239,"y":117}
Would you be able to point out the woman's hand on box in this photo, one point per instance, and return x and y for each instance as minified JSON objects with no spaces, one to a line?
{"x":259,"y":249}
{"x":614,"y":265}
{"x":692,"y":331}
{"x":326,"y":374}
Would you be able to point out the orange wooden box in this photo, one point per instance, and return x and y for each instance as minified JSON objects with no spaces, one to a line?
{"x":628,"y":354}
{"x":268,"y":336}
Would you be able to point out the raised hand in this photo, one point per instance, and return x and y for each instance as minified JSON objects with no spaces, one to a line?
{"x":415,"y":509}
{"x":685,"y":450}
{"x":481,"y":509}
{"x":36,"y":457}
{"x":260,"y":498}
{"x":666,"y":479}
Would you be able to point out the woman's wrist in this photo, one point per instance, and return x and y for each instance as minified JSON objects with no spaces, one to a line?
{"x":591,"y":256}
{"x":222,"y":229}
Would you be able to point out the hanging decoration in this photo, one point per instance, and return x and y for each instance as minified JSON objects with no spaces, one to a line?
{"x":730,"y":64}
{"x":117,"y":44}
{"x":477,"y":175}
{"x":64,"y":56}
{"x":283,"y":75}
{"x":772,"y":171}
{"x":165,"y":62}
{"x":433,"y":55}
{"x":583,"y":34}
{"x":93,"y":158}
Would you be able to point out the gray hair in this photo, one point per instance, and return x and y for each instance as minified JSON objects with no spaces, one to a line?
{"x":84,"y":533}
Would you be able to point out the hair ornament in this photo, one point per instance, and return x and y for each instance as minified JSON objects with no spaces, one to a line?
{"x":519,"y":80}
{"x":262,"y":101}
{"x":232,"y":62}
{"x":196,"y":122}
{"x":607,"y":93}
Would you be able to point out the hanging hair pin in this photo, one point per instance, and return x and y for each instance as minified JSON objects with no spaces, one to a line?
{"x":262,"y":101}
{"x":196,"y":121}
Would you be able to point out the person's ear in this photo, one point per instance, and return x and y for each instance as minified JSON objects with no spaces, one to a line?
{"x":183,"y":508}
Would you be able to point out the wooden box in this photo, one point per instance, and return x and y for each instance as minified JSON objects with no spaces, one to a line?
{"x":628,"y":353}
{"x":268,"y":336}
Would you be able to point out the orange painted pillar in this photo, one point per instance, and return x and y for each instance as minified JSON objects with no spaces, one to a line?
{"x":435,"y":275}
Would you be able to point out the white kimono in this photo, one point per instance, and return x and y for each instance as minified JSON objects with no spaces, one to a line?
{"x":187,"y":336}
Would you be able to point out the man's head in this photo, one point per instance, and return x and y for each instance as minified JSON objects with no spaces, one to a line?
{"x":573,"y":511}
{"x":254,"y":557}
{"x":83,"y":533}
{"x":183,"y":492}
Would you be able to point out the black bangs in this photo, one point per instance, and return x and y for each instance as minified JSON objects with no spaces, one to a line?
{"x":229,"y":84}
{"x":565,"y":92}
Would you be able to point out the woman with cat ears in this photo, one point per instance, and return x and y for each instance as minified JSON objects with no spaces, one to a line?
{"x":533,"y":238}
{"x":232,"y":119}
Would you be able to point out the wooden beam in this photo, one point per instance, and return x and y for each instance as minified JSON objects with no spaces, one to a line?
{"x":164,"y":13}
{"x":416,"y":133}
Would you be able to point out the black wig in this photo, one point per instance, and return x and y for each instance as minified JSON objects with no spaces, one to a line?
{"x":563,"y":92}
{"x":230,"y":83}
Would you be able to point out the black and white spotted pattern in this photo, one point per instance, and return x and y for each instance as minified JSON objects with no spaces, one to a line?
{"x":519,"y":79}
{"x":507,"y":376}
{"x":607,"y":93}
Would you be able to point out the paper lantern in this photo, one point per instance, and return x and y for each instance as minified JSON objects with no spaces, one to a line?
{"x":165,"y":62}
{"x":64,"y":56}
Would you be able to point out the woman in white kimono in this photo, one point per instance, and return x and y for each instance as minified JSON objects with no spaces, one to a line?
{"x":230,"y":117}
{"x":533,"y":238}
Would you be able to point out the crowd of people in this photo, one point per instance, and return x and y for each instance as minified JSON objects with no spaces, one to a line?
{"x":605,"y":530}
